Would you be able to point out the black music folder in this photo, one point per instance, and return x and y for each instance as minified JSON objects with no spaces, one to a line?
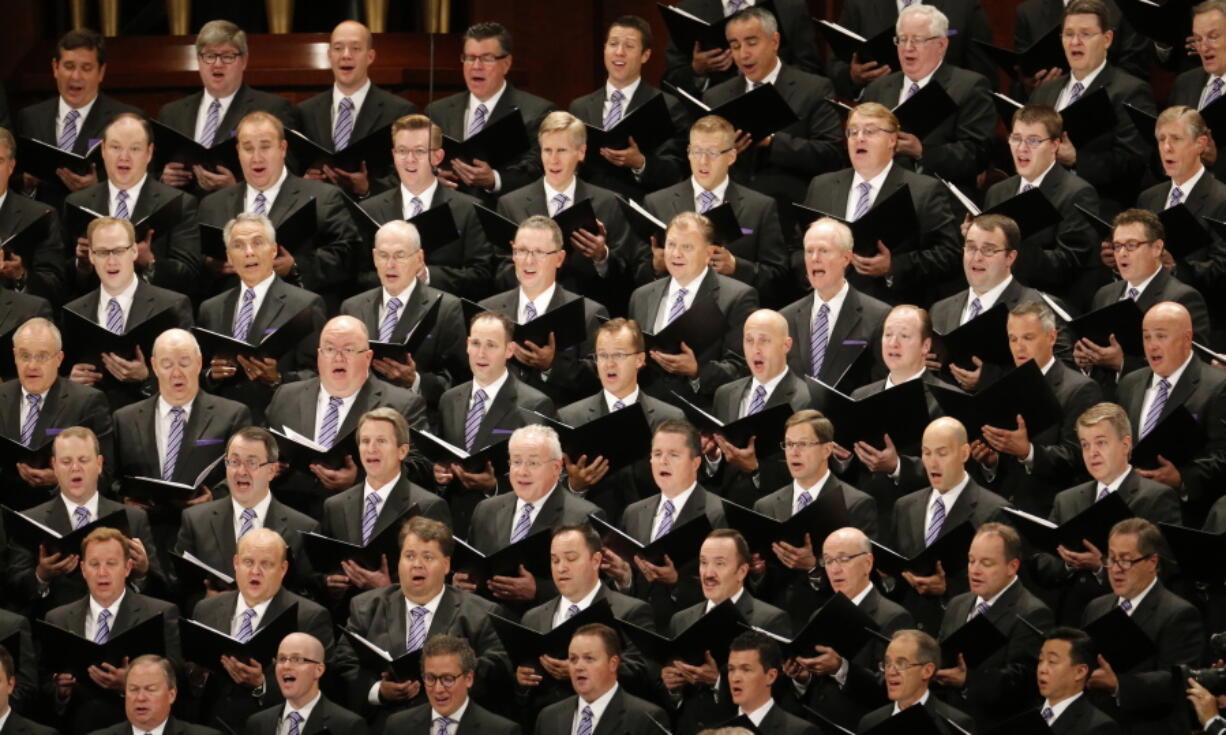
{"x":44,"y":159}
{"x":759,"y":113}
{"x":86,"y":339}
{"x":1198,"y":552}
{"x":766,"y":425}
{"x":532,"y":552}
{"x":501,"y":141}
{"x":1122,"y":319}
{"x":327,"y":553}
{"x":24,"y":530}
{"x":374,"y":149}
{"x":986,"y":337}
{"x":418,"y":334}
{"x":1093,"y":524}
{"x":712,"y":632}
{"x":1178,"y":437}
{"x":727,"y":228}
{"x":649,"y":124}
{"x":699,"y":326}
{"x":1023,"y":390}
{"x":166,"y":493}
{"x":926,"y":110}
{"x":622,"y":437}
{"x":824,"y":515}
{"x":163,"y":219}
{"x":892,"y":221}
{"x":439,"y":451}
{"x":171,"y":146}
{"x":298,"y":226}
{"x":949,"y":549}
{"x":681,"y":544}
{"x":645,"y":224}
{"x":29,"y":238}
{"x":844,"y":42}
{"x":274,"y":343}
{"x":526,"y":645}
{"x":1045,"y":53}
{"x":499,"y":231}
{"x":976,"y":640}
{"x":193,"y":573}
{"x":205,"y":645}
{"x":300,"y":452}
{"x":901,"y":412}
{"x":1120,"y":640}
{"x":567,"y":323}
{"x":839,"y":624}
{"x":66,"y":652}
{"x":1089,"y":117}
{"x":405,"y":667}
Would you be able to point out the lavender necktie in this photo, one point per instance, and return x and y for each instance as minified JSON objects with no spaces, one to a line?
{"x":572,"y":611}
{"x":529,"y":312}
{"x":618,"y":405}
{"x":211,"y":122}
{"x":706,"y":200}
{"x":976,"y":308}
{"x":862,"y":203}
{"x":666,"y":520}
{"x":417,"y":629}
{"x":1102,"y":493}
{"x":802,"y":501}
{"x":818,"y":339}
{"x":912,"y":91}
{"x":472,"y":422}
{"x":1126,"y":605}
{"x":295,"y":720}
{"x":678,"y":307}
{"x":246,"y":314}
{"x":522,"y":524}
{"x":1133,"y":293}
{"x":1075,"y":93}
{"x":245,"y":627}
{"x":81,"y":514}
{"x":174,"y":442}
{"x":442,"y":723}
{"x":103,"y":634}
{"x":332,"y":421}
{"x":1155,"y":408}
{"x":416,"y":204}
{"x":369,"y":517}
{"x":248,"y":517}
{"x":615,"y":109}
{"x":68,"y":134}
{"x":735,"y":5}
{"x":344,"y":124}
{"x":114,"y":317}
{"x":758,"y":402}
{"x":1027,"y":187}
{"x":1047,"y":714}
{"x":35,"y":402}
{"x":478,"y":121}
{"x":1176,"y":197}
{"x":559,"y":203}
{"x":261,"y":204}
{"x":1215,"y":92}
{"x":389,"y":320}
{"x":121,"y":205}
{"x":980,"y":609}
{"x":938,"y":520}
{"x":585,"y":722}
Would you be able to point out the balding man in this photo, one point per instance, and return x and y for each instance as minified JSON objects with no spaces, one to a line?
{"x":353,"y":109}
{"x":170,"y":258}
{"x":121,"y":301}
{"x":770,"y":383}
{"x":837,"y":327}
{"x":299,"y":666}
{"x":394,"y":309}
{"x":150,"y":689}
{"x":38,"y":405}
{"x":237,"y":689}
{"x":1174,"y":378}
{"x":26,"y":285}
{"x":844,"y":690}
{"x":327,"y":408}
{"x":922,"y":517}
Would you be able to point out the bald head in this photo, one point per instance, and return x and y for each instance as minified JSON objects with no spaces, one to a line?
{"x":262,"y":540}
{"x":849,"y":536}
{"x":944,"y":452}
{"x":176,"y":363}
{"x":306,"y":643}
{"x":173,"y":340}
{"x":350,"y":53}
{"x":346,"y":325}
{"x":766,"y":344}
{"x":1166,"y":333}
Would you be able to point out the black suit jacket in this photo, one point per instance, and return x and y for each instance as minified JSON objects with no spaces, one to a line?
{"x":1003,"y":684}
{"x":1202,"y":390}
{"x":1083,"y":717}
{"x":578,"y":273}
{"x":342,"y":513}
{"x":573,"y":373}
{"x":147,"y":302}
{"x":47,"y":274}
{"x":719,"y":362}
{"x":212,"y":422}
{"x":181,"y":113}
{"x":1205,"y":267}
{"x":477,"y":720}
{"x":38,"y":121}
{"x":921,"y":275}
{"x":294,"y":404}
{"x":66,"y":404}
{"x":22,"y":696}
{"x":1149,"y":697}
{"x":380,"y":108}
{"x":179,"y":265}
{"x":18,"y":725}
{"x":957,"y":150}
{"x":327,"y":715}
{"x":1115,"y":161}
{"x":812,"y":145}
{"x":939,"y":711}
{"x":1187,"y":91}
{"x":853,"y":345}
{"x":636,"y":520}
{"x":1129,"y":50}
{"x":625,"y":714}
{"x":232,"y":703}
{"x":173,"y":727}
{"x":761,"y":253}
{"x":282,"y":302}
{"x":665,"y":166}
{"x":502,"y":416}
{"x":325,"y":262}
{"x":463,"y":267}
{"x":18,"y":308}
{"x":379,"y":617}
{"x":628,"y":484}
{"x":798,"y":45}
{"x":1052,"y":258}
{"x":448,"y":113}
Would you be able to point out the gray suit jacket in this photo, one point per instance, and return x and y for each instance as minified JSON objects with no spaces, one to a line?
{"x":853,"y":344}
{"x":342,"y":513}
{"x":211,"y":423}
{"x":1205,"y":267}
{"x":26,"y":661}
{"x":1187,"y":90}
{"x":134,"y":609}
{"x":173,"y":727}
{"x":380,"y":108}
{"x":181,"y":113}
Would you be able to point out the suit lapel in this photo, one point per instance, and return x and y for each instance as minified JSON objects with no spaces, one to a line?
{"x":1183,"y":390}
{"x":448,"y":609}
{"x":270,"y":310}
{"x":551,"y":512}
{"x":229,"y":123}
{"x":142,"y":305}
{"x":368,"y":397}
{"x":222,"y":522}
{"x":611,"y":721}
{"x":49,"y":416}
{"x":504,"y":403}
{"x":148,"y":201}
{"x":286,"y":201}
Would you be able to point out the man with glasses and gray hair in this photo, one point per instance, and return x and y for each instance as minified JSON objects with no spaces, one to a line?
{"x":211,"y":116}
{"x":448,"y":671}
{"x":909,"y":664}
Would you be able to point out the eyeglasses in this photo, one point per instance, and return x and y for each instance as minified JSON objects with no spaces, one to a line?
{"x":37,"y":357}
{"x":868,"y":131}
{"x":411,"y":152}
{"x":900,"y":665}
{"x":532,"y":464}
{"x":916,"y":41}
{"x":447,"y":680}
{"x":706,"y":154}
{"x":1126,"y":564}
{"x":250,"y":465}
{"x":685,"y":247}
{"x":973,"y":250}
{"x":212,"y":58}
{"x":485,"y":59}
{"x":399,"y":257}
{"x":294,"y":661}
{"x":841,"y":560}
{"x":1082,"y":36}
{"x":789,"y":446}
{"x":266,"y":566}
{"x":526,"y":254}
{"x":1130,"y":246}
{"x":346,"y":352}
{"x":104,"y":253}
{"x":1210,"y":39}
{"x":1030,"y":142}
{"x":614,"y":356}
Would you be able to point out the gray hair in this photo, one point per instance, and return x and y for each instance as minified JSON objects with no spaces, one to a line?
{"x":37,"y":323}
{"x":1046,"y":316}
{"x":769,"y":24}
{"x":270,"y":232}
{"x":842,"y":233}
{"x":401,"y":229}
{"x":220,"y":33}
{"x":170,"y":334}
{"x":540,"y":433}
{"x":938,"y":22}
{"x":545,"y":224}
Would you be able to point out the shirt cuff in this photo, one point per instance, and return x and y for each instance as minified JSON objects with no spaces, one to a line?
{"x":841,"y":675}
{"x":416,"y":386}
{"x":497,"y":182}
{"x":897,"y":471}
{"x":373,"y":697}
{"x":1028,"y":462}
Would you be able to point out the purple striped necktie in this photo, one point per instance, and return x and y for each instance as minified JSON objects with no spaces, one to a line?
{"x":68,"y":134}
{"x":35,"y":402}
{"x":819,"y":336}
{"x":1215,"y":92}
{"x":478,"y":121}
{"x":389,"y":319}
{"x":211,"y":123}
{"x":1155,"y":408}
{"x":174,"y":442}
{"x":344,"y":124}
{"x":121,"y":205}
{"x":615,"y":109}
{"x":472,"y":422}
{"x":938,"y":520}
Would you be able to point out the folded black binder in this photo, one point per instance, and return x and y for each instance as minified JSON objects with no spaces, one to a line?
{"x":500,"y":142}
{"x":1089,"y":117}
{"x":976,"y":640}
{"x":1123,"y":319}
{"x":66,"y":652}
{"x":1184,"y":232}
{"x":405,"y":667}
{"x":567,"y":323}
{"x":192,"y":573}
{"x":439,"y":451}
{"x":1120,"y":640}
{"x":685,"y":29}
{"x":622,"y":437}
{"x":892,"y":221}
{"x":418,"y":334}
{"x":1006,"y":108}
{"x":1031,"y":210}
{"x":374,"y":149}
{"x":37,"y":455}
{"x":1045,"y":53}
{"x":168,"y":494}
{"x":499,"y":231}
{"x":578,"y":216}
{"x":766,"y":425}
{"x":901,"y":412}
{"x":926,"y":110}
{"x":161,"y":220}
{"x":826,"y":514}
{"x":44,"y":159}
{"x":759,"y":113}
{"x":326,"y":553}
{"x":526,"y":645}
{"x":274,"y":343}
{"x":171,"y":146}
{"x":986,"y":337}
{"x":645,"y":224}
{"x":844,"y":42}
{"x":698,"y":327}
{"x":681,"y":544}
{"x":25,"y":241}
{"x":1169,"y":23}
{"x":1178,"y":438}
{"x":911,"y":721}
{"x":532,"y":552}
{"x":296,"y":227}
{"x":839,"y":624}
{"x":300,"y":452}
{"x":1027,"y":723}
{"x":25,"y":531}
{"x":1102,"y":227}
{"x":727,"y":228}
{"x":712,"y":632}
{"x":649,"y":124}
{"x":1093,"y":524}
{"x":1023,"y":390}
{"x":204,"y":645}
{"x":86,"y":339}
{"x":1199,"y":553}
{"x":950,"y":549}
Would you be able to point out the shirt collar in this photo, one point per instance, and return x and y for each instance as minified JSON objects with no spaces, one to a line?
{"x":759,"y":714}
{"x":627,"y":91}
{"x":996,"y":596}
{"x":260,"y":508}
{"x":1175,"y":375}
{"x":568,"y":192}
{"x":889,"y":381}
{"x":260,"y":608}
{"x":91,"y":505}
{"x":426,"y":196}
{"x":1089,"y":78}
{"x":585,"y":602}
{"x":125,"y":296}
{"x":140,"y":730}
{"x":536,"y":504}
{"x":923,"y":700}
{"x":720,"y":190}
{"x":598,"y":706}
{"x":1140,"y":287}
{"x":859,"y":598}
{"x":305,"y":710}
{"x":989,"y":298}
{"x":813,"y":491}
{"x":541,"y":302}
{"x":1051,"y":361}
{"x":431,"y":604}
{"x":1114,"y":485}
{"x":679,"y":501}
{"x":834,"y":304}
{"x":358,"y":98}
{"x":133,"y":192}
{"x":83,"y":110}
{"x":270,"y":194}
{"x":674,"y":285}
{"x":923,"y":81}
{"x":736,"y":597}
{"x":1058,"y":708}
{"x":164,"y":409}
{"x":95,"y":609}
{"x":875,"y":183}
{"x":629,"y":400}
{"x":490,"y":104}
{"x":1187,"y":186}
{"x":382,"y":492}
{"x":1136,"y":601}
{"x":771,"y":78}
{"x":492,"y":389}
{"x":404,"y":295}
{"x":949,"y":497}
{"x":261,"y":288}
{"x":1038,"y":180}
{"x":770,"y":385}
{"x":456,"y":716}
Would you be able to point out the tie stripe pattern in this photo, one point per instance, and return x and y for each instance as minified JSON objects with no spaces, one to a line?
{"x":1102,"y":493}
{"x":441,"y":724}
{"x":81,"y":517}
{"x":1155,"y":408}
{"x":585,"y":722}
{"x":802,"y":501}
{"x":246,"y":627}
{"x":114,"y":317}
{"x":389,"y":320}
{"x":912,"y":90}
{"x":68,"y":134}
{"x":417,"y":629}
{"x":678,"y":307}
{"x":211,"y":122}
{"x":1047,"y":714}
{"x":980,"y":609}
{"x":248,"y":517}
{"x":614,"y":115}
{"x":1176,"y":197}
{"x":369,"y":516}
{"x":121,"y":205}
{"x":472,"y":422}
{"x":344,"y":124}
{"x":103,"y":633}
{"x":1215,"y":93}
{"x":862,"y":203}
{"x":478,"y":121}
{"x":522,"y":524}
{"x":938,"y":520}
{"x":819,"y":336}
{"x":1126,"y":605}
{"x":758,"y":402}
{"x":1133,"y":293}
{"x":1076,"y":92}
{"x":174,"y":442}
{"x":332,"y":421}
{"x":976,"y":308}
{"x":618,"y":405}
{"x":706,"y":200}
{"x":246,"y":314}
{"x":261,"y":204}
{"x":32,"y":412}
{"x":559,"y":203}
{"x":295,"y":720}
{"x":530,"y":312}
{"x":666,"y":521}
{"x":572,"y":611}
{"x":416,"y":204}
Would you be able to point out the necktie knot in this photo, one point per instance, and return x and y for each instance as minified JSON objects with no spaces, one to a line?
{"x":523,"y":524}
{"x":981,"y":608}
{"x":819,"y":337}
{"x":418,"y":612}
{"x":1176,"y":197}
{"x":248,"y":517}
{"x":176,"y":413}
{"x":68,"y":135}
{"x":803,"y":500}
{"x":572,"y":611}
{"x":441,"y":724}
{"x":666,"y":519}
{"x":618,"y":405}
{"x":976,"y":307}
{"x":1047,"y":714}
{"x":913,"y":90}
{"x":478,"y":121}
{"x":755,"y":85}
{"x":617,"y":96}
{"x":81,"y":514}
{"x":32,"y":413}
{"x":295,"y":720}
{"x":559,"y":202}
{"x":34,"y":400}
{"x":706,"y":200}
{"x":1027,"y":187}
{"x":114,"y":316}
{"x":862,"y":202}
{"x":530,"y":311}
{"x":1156,"y":407}
{"x":417,"y":205}
{"x":1133,"y":293}
{"x":390,"y":318}
{"x":393,"y":305}
{"x":1215,"y":92}
{"x":1103,"y":491}
{"x":758,"y":401}
{"x":1126,"y":605}
{"x":938,"y":520}
{"x":1076,"y":91}
{"x":261,"y":203}
{"x":347,"y":104}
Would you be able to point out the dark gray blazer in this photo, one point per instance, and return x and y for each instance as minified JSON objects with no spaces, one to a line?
{"x":477,"y":720}
{"x":181,"y":113}
{"x":1083,"y":718}
{"x":22,"y":696}
{"x":380,"y":108}
{"x":342,"y":513}
{"x":756,"y":612}
{"x":1205,"y":267}
{"x":939,"y":711}
{"x":18,"y":725}
{"x":625,"y":714}
{"x":212,"y":422}
{"x":48,"y":275}
{"x":173,"y":727}
{"x":327,"y":716}
{"x":1187,"y":91}
{"x":134,"y":609}
{"x":853,"y":345}
{"x":1129,"y":50}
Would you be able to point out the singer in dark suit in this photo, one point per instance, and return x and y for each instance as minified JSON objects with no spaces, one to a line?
{"x":47,"y":274}
{"x":25,"y":667}
{"x":1129,"y":50}
{"x":624,"y":713}
{"x":208,"y":532}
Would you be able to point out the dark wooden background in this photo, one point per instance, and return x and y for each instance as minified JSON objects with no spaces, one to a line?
{"x":557,"y":51}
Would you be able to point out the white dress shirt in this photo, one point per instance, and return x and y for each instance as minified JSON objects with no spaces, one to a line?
{"x":1058,"y":708}
{"x":261,"y":513}
{"x":161,"y":427}
{"x":1152,"y":391}
{"x":403,"y":296}
{"x":426,"y":197}
{"x":1063,"y":100}
{"x":240,"y":610}
{"x":560,"y":613}
{"x":142,"y":731}
{"x":1114,"y":485}
{"x":270,"y":194}
{"x":124,"y":298}
{"x":491,"y":391}
{"x":358,"y":98}
{"x":598,"y":708}
{"x":90,"y":505}
{"x":670,"y":296}
{"x":305,"y":711}
{"x":771,"y":78}
{"x":1204,"y":92}
{"x":382,"y":494}
{"x":834,"y":307}
{"x":720,"y":191}
{"x":986,"y":300}
{"x":948,"y":499}
{"x":550,"y":192}
{"x":678,"y":503}
{"x":770,"y":386}
{"x":25,"y":410}
{"x":611,"y":400}
{"x":759,"y":714}
{"x":456,"y":718}
{"x":202,"y":114}
{"x":540,"y":303}
{"x":627,"y":91}
{"x":908,"y":81}
{"x":95,"y":609}
{"x":813,"y":491}
{"x":922,"y":701}
{"x":62,"y":111}
{"x":261,"y":290}
{"x":1038,"y":180}
{"x":133,"y":194}
{"x":321,"y":409}
{"x":1136,"y":601}
{"x":532,"y":514}
{"x":875,"y":184}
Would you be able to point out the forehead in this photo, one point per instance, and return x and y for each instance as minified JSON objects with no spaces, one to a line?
{"x":614,"y":339}
{"x":1210,"y":19}
{"x":410,"y":137}
{"x":685,"y":234}
{"x":248,"y":231}
{"x":625,"y":33}
{"x":980,"y":234}
{"x":916,"y":22}
{"x":1060,"y":648}
{"x":391,"y":239}
{"x":1083,"y":21}
{"x":125,"y":130}
{"x":35,"y":337}
{"x":841,"y":543}
{"x":175,"y":346}
{"x":669,"y":440}
{"x":79,"y":55}
{"x":905,"y":319}
{"x":448,"y":662}
{"x":145,"y":673}
{"x":1175,"y":127}
{"x":568,"y":540}
{"x":706,"y":137}
{"x":415,"y":542}
{"x":744,"y":657}
{"x":820,"y":235}
{"x":1131,"y":231}
{"x":259,"y":130}
{"x":104,"y":549}
{"x":1023,"y":322}
{"x":110,"y":234}
{"x":349,"y":33}
{"x":801,"y":430}
{"x":763,"y":324}
{"x":1123,"y":541}
{"x":260,"y":547}
{"x":484,"y":46}
{"x":73,"y":445}
{"x":488,"y":329}
{"x":586,"y":644}
{"x":746,"y":27}
{"x":220,"y":48}
{"x":248,"y":447}
{"x":341,"y":331}
{"x":719,"y":547}
{"x":1102,"y":428}
{"x":530,"y":444}
{"x":988,"y":543}
{"x":376,"y":427}
{"x":1029,"y":128}
{"x":557,"y":139}
{"x":901,"y":647}
{"x":533,"y":236}
{"x":860,"y":118}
